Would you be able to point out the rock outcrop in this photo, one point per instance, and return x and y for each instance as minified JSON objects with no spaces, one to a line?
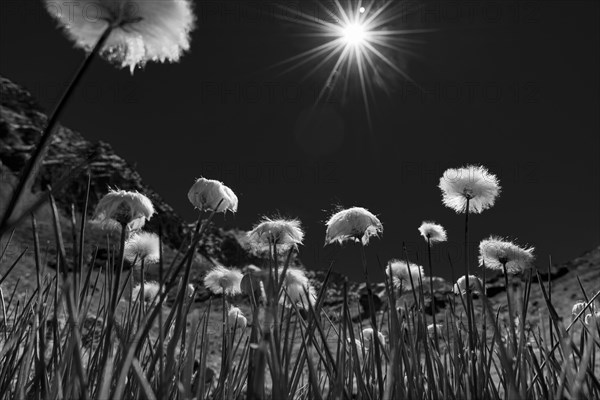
{"x":71,"y":157}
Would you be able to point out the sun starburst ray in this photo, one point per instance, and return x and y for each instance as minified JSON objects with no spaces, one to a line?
{"x":362,"y":39}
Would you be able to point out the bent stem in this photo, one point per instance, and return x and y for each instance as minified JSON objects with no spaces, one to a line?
{"x":39,"y":152}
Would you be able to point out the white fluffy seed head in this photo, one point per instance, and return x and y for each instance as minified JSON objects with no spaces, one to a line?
{"x":367,"y":334}
{"x":143,"y":246}
{"x":460,"y":287}
{"x":151,"y":290}
{"x":357,"y":343}
{"x":128,"y":208}
{"x":285,"y":233}
{"x":496,"y":252}
{"x":434,"y":328}
{"x":577,"y":307}
{"x":298,"y":288}
{"x":222,"y":280}
{"x":401,"y":273}
{"x":354,"y":224}
{"x":236,"y":318}
{"x":142,"y":30}
{"x":207,"y":194}
{"x":473,"y":183}
{"x":433,"y":232}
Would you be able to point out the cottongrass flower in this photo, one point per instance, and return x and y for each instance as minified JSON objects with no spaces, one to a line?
{"x":472,"y":185}
{"x":138,"y":31}
{"x":401,"y":273}
{"x":434,"y":329}
{"x":151,"y":290}
{"x":236,"y":318}
{"x":355,"y":224}
{"x":297,"y":286}
{"x":357,"y":343}
{"x":578,"y":307}
{"x":284,"y":233}
{"x":460,"y":287}
{"x":222,"y":280}
{"x":206,"y":194}
{"x":367,"y":335}
{"x":190,"y":290}
{"x":143,"y":247}
{"x":499,"y":254}
{"x":433,"y":232}
{"x":131,"y":209}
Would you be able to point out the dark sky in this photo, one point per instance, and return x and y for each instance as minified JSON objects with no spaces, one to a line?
{"x":511,"y":85}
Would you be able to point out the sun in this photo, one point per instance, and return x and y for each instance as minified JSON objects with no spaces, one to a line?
{"x":359,"y":40}
{"x":354,"y":34}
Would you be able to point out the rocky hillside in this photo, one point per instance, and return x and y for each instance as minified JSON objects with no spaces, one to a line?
{"x":70,"y":158}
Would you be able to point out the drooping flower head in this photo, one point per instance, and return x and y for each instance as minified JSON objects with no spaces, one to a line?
{"x":460,"y":287}
{"x":131,"y":209}
{"x":222,"y":280}
{"x":297,"y":286}
{"x":236,"y":318}
{"x":143,"y":246}
{"x":285,"y":233}
{"x":433,"y":232}
{"x":401,"y":273}
{"x":495,"y":253}
{"x":355,"y":224}
{"x":205,"y":194}
{"x":151,"y":290}
{"x":472,"y":183}
{"x":367,"y":334}
{"x":142,"y":30}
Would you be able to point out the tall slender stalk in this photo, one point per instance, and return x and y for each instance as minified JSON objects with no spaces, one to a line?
{"x":469,"y":299}
{"x":39,"y":151}
{"x":142,"y":297}
{"x":435,"y":336}
{"x":114,"y":296}
{"x":511,"y":314}
{"x":373,"y":318}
